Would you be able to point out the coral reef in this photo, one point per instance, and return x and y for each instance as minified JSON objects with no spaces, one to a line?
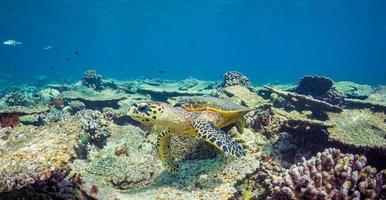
{"x":76,"y":141}
{"x":242,"y":95}
{"x":92,"y":80}
{"x":58,"y":186}
{"x":314,"y":85}
{"x":305,"y":102}
{"x":233,"y":78}
{"x":359,"y":128}
{"x":320,"y":88}
{"x":160,"y":90}
{"x":32,"y":154}
{"x":330,"y":175}
{"x":15,"y":98}
{"x":94,"y":127}
{"x":354,"y":90}
{"x":75,"y":106}
{"x":95,"y":99}
{"x":9,"y":120}
{"x":379,"y":95}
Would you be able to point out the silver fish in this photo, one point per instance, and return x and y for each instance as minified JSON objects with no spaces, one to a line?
{"x":12,"y":43}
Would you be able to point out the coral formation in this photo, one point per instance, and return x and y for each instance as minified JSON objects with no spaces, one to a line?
{"x":92,"y":80}
{"x":32,"y":154}
{"x":354,"y":90}
{"x":330,"y":175}
{"x":94,"y":127}
{"x":379,"y":95}
{"x":75,"y":106}
{"x":95,"y":99}
{"x":305,"y":102}
{"x":360,"y":128}
{"x":160,"y":90}
{"x":9,"y":120}
{"x":242,"y":95}
{"x":58,"y":186}
{"x":320,"y":88}
{"x":76,"y":141}
{"x":233,"y":78}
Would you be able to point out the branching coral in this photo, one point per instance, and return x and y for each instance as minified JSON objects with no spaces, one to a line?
{"x":330,"y":175}
{"x":94,"y":127}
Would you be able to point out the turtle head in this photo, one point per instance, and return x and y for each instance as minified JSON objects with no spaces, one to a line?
{"x":147,"y":113}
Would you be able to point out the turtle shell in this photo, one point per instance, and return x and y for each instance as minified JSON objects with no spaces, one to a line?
{"x":211,"y":103}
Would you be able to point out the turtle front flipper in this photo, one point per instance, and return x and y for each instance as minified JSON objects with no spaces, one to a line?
{"x":164,"y":151}
{"x":207,"y":131}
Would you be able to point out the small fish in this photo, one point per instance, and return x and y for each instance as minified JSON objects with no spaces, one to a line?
{"x":148,"y":97}
{"x":47,"y":48}
{"x":68,"y":59}
{"x":12,"y":43}
{"x":161,"y":72}
{"x":76,"y":52}
{"x":52,"y":68}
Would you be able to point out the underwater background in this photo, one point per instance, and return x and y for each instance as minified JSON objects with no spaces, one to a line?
{"x":269,"y":41}
{"x":192,"y":100}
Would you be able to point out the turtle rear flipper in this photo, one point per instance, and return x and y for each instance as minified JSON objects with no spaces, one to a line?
{"x":164,"y":151}
{"x":207,"y":131}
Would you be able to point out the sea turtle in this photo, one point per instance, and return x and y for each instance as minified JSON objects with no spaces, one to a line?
{"x":202,"y":117}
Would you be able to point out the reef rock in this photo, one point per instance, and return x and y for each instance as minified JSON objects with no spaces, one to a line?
{"x":361,"y":129}
{"x":31,"y":154}
{"x":330,"y":175}
{"x":162,"y":90}
{"x":244,"y":95}
{"x":379,"y":95}
{"x":95,"y":99}
{"x":354,"y":90}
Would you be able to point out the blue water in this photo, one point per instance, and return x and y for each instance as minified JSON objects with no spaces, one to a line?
{"x":268,"y":40}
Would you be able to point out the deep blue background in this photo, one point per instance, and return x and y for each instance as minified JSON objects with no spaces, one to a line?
{"x":268,"y":40}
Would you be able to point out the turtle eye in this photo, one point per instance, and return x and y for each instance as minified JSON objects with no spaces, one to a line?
{"x":143,"y":107}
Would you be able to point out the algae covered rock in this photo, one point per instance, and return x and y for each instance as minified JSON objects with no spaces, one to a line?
{"x":379,"y":95}
{"x":359,"y":128}
{"x":124,"y":163}
{"x":354,"y":90}
{"x":95,"y":99}
{"x":162,"y":90}
{"x":245,"y":95}
{"x":30,"y":154}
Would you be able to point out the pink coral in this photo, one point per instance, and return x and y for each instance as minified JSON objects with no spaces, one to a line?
{"x":330,"y":175}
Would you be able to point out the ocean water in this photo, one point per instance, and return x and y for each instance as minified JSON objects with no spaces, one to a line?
{"x":268,"y":40}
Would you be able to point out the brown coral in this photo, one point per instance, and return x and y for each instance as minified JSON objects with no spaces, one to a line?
{"x":10,"y":120}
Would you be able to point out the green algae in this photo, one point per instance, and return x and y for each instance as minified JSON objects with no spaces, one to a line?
{"x":354,"y":90}
{"x":358,"y":127}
